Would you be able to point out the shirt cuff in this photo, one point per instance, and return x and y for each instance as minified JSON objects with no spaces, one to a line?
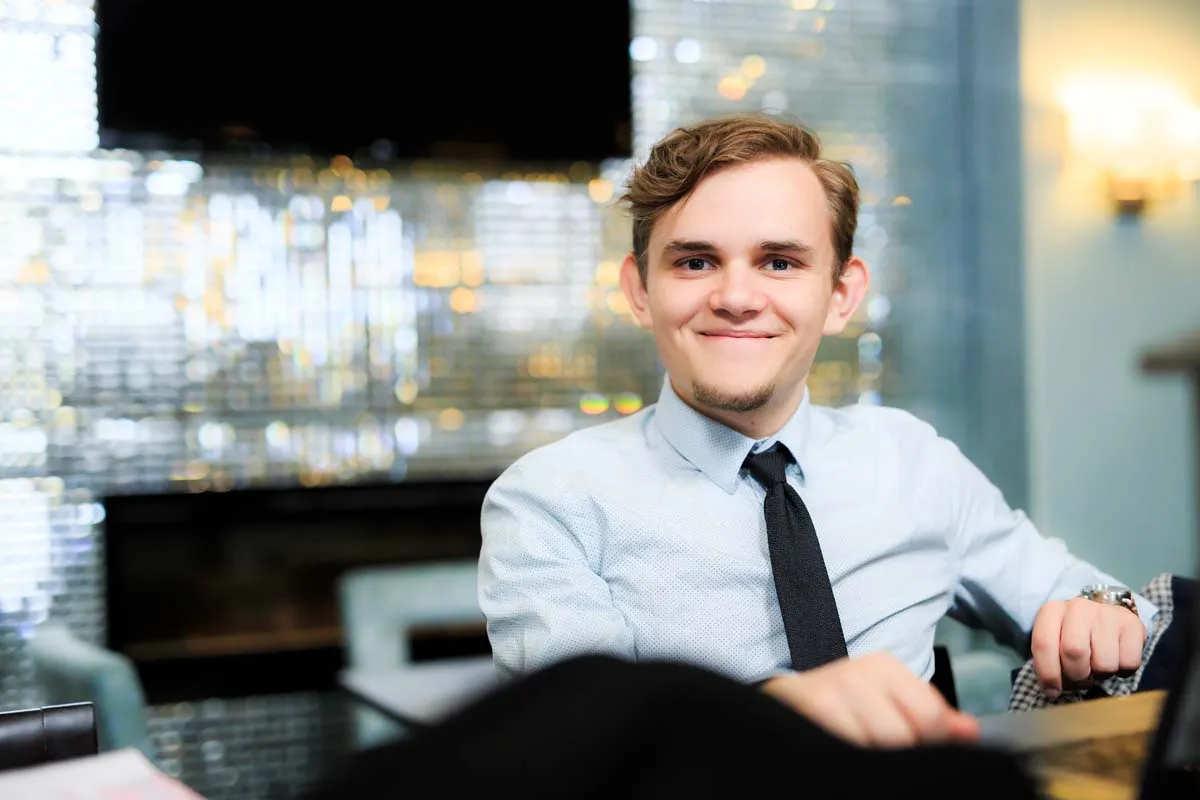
{"x":1147,"y":611}
{"x":758,"y":683}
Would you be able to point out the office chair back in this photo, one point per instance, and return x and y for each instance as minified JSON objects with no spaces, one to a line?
{"x":381,"y":606}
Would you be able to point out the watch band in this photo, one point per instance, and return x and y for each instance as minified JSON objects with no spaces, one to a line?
{"x":1110,"y":595}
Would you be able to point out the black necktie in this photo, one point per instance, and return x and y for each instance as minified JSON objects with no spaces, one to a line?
{"x":810,"y":615}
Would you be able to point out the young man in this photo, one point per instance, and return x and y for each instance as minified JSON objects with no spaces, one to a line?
{"x":738,"y":527}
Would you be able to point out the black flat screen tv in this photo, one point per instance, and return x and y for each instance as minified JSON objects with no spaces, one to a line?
{"x":377,"y":81}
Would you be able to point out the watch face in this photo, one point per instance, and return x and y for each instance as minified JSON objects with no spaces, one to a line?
{"x":1110,"y":595}
{"x":1107,"y":594}
{"x":1104,"y":588}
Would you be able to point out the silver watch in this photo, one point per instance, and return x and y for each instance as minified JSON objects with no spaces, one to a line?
{"x":1110,"y":594}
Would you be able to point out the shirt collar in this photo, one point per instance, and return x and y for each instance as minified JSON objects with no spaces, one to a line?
{"x":718,"y":450}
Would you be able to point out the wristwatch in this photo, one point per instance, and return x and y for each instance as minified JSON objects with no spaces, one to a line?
{"x":1110,"y":594}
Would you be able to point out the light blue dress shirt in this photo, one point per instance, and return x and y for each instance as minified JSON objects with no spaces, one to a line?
{"x":643,"y":538}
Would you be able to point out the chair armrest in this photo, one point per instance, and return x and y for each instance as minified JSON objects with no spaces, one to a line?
{"x":43,"y":735}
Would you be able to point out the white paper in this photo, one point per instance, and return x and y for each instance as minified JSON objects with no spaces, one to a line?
{"x":120,"y":775}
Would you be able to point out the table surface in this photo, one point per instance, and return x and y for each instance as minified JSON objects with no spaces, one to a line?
{"x":1092,"y":750}
{"x":1063,"y":743}
{"x":1074,"y":722}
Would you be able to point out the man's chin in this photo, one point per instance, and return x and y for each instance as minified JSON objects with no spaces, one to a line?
{"x":736,"y":399}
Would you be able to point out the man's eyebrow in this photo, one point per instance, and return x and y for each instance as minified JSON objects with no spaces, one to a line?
{"x":685,"y":246}
{"x":790,"y":246}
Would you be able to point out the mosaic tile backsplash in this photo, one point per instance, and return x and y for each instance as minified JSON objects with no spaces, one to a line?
{"x":164,"y":325}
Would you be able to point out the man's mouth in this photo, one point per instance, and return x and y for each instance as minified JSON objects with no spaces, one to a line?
{"x":738,"y":334}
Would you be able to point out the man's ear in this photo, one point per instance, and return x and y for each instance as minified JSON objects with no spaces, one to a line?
{"x":635,"y":291}
{"x":850,"y":290}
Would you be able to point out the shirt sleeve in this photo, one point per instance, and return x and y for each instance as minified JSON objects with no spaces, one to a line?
{"x":541,"y":594}
{"x":1007,"y":569}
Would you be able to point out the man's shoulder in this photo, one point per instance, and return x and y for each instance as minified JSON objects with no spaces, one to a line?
{"x":889,"y":437}
{"x":584,"y":454}
{"x":886,"y":423}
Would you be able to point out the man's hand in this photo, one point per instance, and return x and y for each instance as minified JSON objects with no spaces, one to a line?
{"x":1079,"y":642}
{"x":873,"y":701}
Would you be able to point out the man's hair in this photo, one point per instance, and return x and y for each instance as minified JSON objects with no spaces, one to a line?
{"x":687,"y":155}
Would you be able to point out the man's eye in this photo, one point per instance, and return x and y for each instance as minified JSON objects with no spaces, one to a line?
{"x":780,"y":265}
{"x":695,"y":264}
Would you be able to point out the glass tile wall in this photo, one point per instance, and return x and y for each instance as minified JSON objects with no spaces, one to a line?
{"x":311,"y":323}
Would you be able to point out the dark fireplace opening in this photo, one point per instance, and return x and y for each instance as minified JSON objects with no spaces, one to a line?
{"x":227,"y":594}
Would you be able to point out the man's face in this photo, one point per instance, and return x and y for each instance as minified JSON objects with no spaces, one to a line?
{"x":739,"y":288}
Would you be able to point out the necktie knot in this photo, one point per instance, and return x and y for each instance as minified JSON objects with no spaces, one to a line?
{"x":770,"y":466}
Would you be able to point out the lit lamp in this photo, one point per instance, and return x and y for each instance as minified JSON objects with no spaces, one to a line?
{"x":1142,"y":135}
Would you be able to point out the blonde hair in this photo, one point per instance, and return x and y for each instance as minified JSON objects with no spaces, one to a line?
{"x":687,"y":155}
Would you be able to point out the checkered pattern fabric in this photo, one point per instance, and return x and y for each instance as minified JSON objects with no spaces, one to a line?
{"x":1028,"y":695}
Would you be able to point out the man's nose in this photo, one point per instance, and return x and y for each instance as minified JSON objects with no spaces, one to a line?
{"x":737,"y":291}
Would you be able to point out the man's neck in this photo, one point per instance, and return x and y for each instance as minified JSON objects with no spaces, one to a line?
{"x":758,"y":424}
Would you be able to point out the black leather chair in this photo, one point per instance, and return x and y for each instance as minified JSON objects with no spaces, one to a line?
{"x":42,"y":735}
{"x":943,"y":675}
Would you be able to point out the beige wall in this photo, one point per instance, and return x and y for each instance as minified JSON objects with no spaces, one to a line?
{"x":1111,"y":451}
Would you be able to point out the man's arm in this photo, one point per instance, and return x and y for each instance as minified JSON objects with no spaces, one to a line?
{"x":1008,"y":570}
{"x":538,"y":583}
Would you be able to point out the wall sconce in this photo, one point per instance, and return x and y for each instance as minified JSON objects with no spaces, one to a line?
{"x":1142,"y":135}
